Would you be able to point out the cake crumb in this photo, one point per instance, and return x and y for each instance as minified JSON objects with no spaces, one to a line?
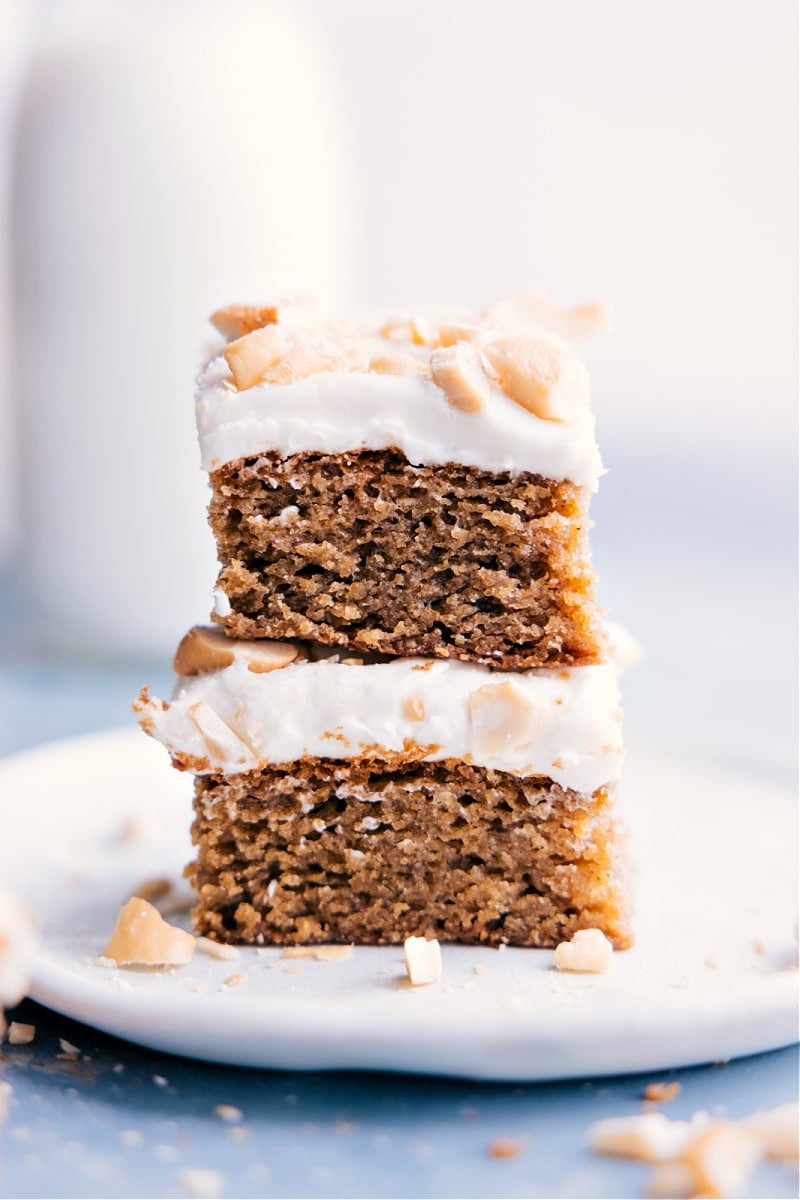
{"x":506,"y":1147}
{"x":423,"y":959}
{"x":229,"y":1113}
{"x":479,"y":970}
{"x":68,"y":1049}
{"x":202,"y":1182}
{"x":589,"y":951}
{"x":236,"y":980}
{"x":658,"y":1093}
{"x":142,"y":937}
{"x":20,"y":1034}
{"x":160,"y":1081}
{"x":218,"y":950}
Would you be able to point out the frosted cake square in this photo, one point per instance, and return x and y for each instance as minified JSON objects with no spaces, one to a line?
{"x":418,"y":486}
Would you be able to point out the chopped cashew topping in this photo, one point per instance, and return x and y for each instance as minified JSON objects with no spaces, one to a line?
{"x":413,"y":708}
{"x":332,"y":953}
{"x":721,"y":1158}
{"x":142,"y":937}
{"x":324,"y":953}
{"x":253,"y":356}
{"x":219,"y":950}
{"x":236,"y":980}
{"x":589,"y":950}
{"x":459,"y":372}
{"x":501,"y":717}
{"x":205,"y":648}
{"x":415,"y":329}
{"x":220,"y":739}
{"x":535,"y":310}
{"x":202,"y":649}
{"x":237,"y":320}
{"x":423,"y":960}
{"x":20,"y":1034}
{"x":398,"y":364}
{"x":671,"y":1181}
{"x":528,"y":370}
{"x":700,"y":1157}
{"x":647,"y":1137}
{"x":276,"y":354}
{"x":777,"y":1130}
{"x":451,"y":332}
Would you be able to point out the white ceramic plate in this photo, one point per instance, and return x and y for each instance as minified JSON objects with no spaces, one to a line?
{"x":87,"y":821}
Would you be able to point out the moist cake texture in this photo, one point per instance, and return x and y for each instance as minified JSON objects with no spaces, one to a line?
{"x":364,"y":551}
{"x":419,"y":488}
{"x":327,"y":851}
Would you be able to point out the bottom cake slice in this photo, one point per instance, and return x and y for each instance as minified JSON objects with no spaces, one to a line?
{"x":366,"y":801}
{"x":325,"y":851}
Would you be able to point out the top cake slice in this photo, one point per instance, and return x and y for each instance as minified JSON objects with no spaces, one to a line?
{"x":417,"y":488}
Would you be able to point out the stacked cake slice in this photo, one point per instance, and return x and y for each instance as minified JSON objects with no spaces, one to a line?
{"x":406,"y":720}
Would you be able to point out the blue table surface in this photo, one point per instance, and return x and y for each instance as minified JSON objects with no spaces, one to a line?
{"x":104,"y":1126}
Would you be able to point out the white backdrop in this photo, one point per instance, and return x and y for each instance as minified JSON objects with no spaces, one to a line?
{"x":642,"y":151}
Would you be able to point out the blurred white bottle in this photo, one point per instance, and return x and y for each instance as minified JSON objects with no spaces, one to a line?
{"x":15,"y":26}
{"x":174,"y":155}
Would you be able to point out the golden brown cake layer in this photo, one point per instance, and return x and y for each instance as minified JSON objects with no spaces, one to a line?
{"x":325,"y":851}
{"x":366,"y":552}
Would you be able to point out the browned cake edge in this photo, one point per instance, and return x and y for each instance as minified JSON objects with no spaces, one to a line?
{"x":330,"y":851}
{"x":367,"y":552}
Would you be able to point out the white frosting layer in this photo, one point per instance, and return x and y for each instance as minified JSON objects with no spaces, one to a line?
{"x":336,"y":411}
{"x":563,"y":724}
